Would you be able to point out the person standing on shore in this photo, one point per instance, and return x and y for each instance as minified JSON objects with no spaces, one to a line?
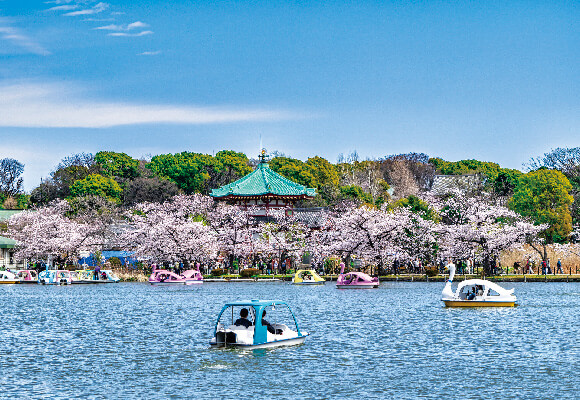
{"x":559,"y":266}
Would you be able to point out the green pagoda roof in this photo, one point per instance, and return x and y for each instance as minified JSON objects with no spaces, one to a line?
{"x":263,"y":181}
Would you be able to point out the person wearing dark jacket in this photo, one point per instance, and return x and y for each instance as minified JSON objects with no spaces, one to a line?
{"x":269,"y":326}
{"x":243,"y":320}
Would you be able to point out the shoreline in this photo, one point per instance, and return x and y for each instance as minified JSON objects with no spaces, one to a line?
{"x":139,"y":277}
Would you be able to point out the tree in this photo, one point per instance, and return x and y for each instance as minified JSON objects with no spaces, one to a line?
{"x":190,"y":171}
{"x":172,"y":231}
{"x":295,"y":170}
{"x":417,"y":206}
{"x":52,"y":232}
{"x":69,"y":170}
{"x":10,"y":177}
{"x":114,"y":164}
{"x":153,"y":189}
{"x":544,"y":196}
{"x":567,"y":161}
{"x":356,"y":193}
{"x":475,"y":226}
{"x":97,"y":185}
{"x":229,"y":166}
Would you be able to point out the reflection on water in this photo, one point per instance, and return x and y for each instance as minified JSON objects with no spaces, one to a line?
{"x":139,"y":341}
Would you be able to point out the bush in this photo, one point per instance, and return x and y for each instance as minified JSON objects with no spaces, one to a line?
{"x":431,"y":271}
{"x":249,"y":272}
{"x":115,"y":262}
{"x":218,"y":272}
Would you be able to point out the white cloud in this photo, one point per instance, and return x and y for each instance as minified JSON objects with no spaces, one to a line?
{"x":125,"y":34}
{"x":150,"y":53}
{"x":113,"y":27}
{"x":64,"y":8}
{"x":96,"y":9}
{"x":56,"y":106}
{"x":16,"y":37}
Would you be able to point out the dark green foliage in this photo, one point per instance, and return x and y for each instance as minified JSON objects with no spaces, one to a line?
{"x":219,"y":271}
{"x":417,"y":206}
{"x":117,"y":164}
{"x":148,"y":189}
{"x":356,"y":193}
{"x":249,"y":272}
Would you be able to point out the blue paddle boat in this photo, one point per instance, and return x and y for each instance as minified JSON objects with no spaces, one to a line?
{"x":246,"y":324}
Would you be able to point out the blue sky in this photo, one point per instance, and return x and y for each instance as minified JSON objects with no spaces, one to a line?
{"x":495,"y":81}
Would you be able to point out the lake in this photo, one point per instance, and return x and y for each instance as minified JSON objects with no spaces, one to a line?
{"x":132,"y":340}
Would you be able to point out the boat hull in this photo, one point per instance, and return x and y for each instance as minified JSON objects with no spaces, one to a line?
{"x":308,"y":283}
{"x":278,"y":343}
{"x":358,"y":286}
{"x":471,"y":303}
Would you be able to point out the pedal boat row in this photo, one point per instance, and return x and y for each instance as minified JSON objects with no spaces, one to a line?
{"x":57,"y":277}
{"x":350,"y":280}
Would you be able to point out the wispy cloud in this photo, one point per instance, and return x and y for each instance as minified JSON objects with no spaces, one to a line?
{"x":150,"y":53}
{"x":96,"y":9}
{"x":125,"y":34}
{"x":20,"y":39}
{"x":128,"y":27}
{"x":67,"y":7}
{"x":54,"y":106}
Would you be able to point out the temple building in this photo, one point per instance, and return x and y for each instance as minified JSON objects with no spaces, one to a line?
{"x":265,"y":189}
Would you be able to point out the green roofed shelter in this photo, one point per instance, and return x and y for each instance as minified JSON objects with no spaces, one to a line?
{"x":7,"y":243}
{"x":263,"y":188}
{"x":5,"y":214}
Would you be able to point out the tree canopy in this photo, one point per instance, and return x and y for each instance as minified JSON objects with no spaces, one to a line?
{"x":544,"y":196}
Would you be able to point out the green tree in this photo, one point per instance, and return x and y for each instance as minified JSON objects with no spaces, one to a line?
{"x":295,"y":170}
{"x":117,"y":164}
{"x":323,"y":171}
{"x":229,"y":166}
{"x":354,"y":192}
{"x":417,"y":206}
{"x":97,"y":185}
{"x":544,"y":196}
{"x":190,"y":171}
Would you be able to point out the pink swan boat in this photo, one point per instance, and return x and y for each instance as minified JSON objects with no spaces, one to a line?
{"x":355,"y":280}
{"x":165,"y":277}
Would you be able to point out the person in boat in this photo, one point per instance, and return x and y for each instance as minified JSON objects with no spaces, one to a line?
{"x":471,"y":295}
{"x":243,"y":320}
{"x":270,"y":328}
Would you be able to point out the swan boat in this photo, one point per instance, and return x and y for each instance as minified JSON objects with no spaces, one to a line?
{"x":7,"y":277}
{"x":355,"y":280}
{"x":307,"y":277}
{"x":476,"y":293}
{"x":257,"y":333}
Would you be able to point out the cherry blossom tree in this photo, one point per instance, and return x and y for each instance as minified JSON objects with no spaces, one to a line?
{"x":474,"y":225}
{"x":175,"y":230}
{"x":54,"y":231}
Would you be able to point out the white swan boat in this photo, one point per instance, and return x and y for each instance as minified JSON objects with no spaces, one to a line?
{"x":476,"y":293}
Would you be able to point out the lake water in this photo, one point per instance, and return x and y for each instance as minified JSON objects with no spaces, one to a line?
{"x":133,"y":340}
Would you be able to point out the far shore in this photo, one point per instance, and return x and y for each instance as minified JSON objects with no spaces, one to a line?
{"x":140,"y":277}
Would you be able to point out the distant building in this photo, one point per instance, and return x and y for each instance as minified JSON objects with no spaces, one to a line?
{"x":7,"y":245}
{"x":444,"y":184}
{"x":264,"y":189}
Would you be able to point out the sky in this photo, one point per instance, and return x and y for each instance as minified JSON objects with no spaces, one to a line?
{"x":495,"y":80}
